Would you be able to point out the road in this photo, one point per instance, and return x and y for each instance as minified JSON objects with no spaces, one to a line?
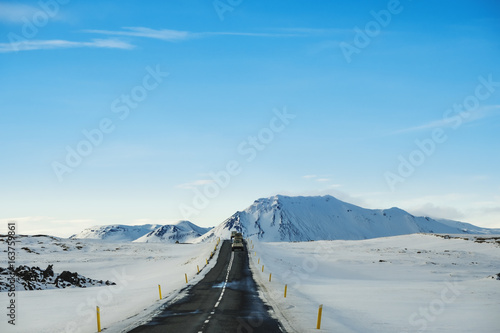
{"x":225,"y":300}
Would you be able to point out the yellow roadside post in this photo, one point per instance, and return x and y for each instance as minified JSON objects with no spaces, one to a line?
{"x":186,"y":276}
{"x":320,"y":311}
{"x":262,"y":268}
{"x":270,"y":276}
{"x":98,"y":319}
{"x":159,"y":290}
{"x":285,"y":290}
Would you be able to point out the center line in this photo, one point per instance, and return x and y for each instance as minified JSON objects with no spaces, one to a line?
{"x":222,"y":291}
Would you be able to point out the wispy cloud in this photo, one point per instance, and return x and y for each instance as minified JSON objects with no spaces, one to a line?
{"x":30,"y":45}
{"x":179,"y":35}
{"x":323,"y":180}
{"x":16,"y":13}
{"x":248,"y":34}
{"x":437,"y":211}
{"x":194,"y":184}
{"x":163,"y":34}
{"x":450,"y":120}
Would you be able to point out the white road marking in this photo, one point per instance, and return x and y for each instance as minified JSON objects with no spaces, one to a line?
{"x":222,"y":291}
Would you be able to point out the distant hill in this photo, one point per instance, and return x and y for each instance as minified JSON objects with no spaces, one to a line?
{"x":183,"y":231}
{"x":116,"y":232}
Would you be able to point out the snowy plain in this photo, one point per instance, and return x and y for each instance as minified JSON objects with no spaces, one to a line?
{"x":410,"y":283}
{"x":136,"y":268}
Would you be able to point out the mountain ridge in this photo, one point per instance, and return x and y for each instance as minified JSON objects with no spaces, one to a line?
{"x":182,"y":231}
{"x":284,"y":218}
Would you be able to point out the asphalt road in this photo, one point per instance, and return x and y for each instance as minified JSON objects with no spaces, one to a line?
{"x":226,"y":300}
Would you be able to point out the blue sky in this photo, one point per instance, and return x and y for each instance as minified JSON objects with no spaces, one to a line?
{"x":378,"y":103}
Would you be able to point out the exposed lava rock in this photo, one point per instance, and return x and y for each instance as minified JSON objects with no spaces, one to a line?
{"x":34,"y":278}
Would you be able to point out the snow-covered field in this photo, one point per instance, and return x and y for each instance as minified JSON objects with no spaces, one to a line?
{"x":411,"y":283}
{"x":136,"y":268}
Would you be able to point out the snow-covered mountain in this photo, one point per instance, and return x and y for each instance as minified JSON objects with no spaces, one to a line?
{"x":183,"y":231}
{"x":116,"y":232}
{"x":282,"y":218}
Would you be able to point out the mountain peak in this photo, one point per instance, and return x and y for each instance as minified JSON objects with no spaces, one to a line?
{"x":300,"y":218}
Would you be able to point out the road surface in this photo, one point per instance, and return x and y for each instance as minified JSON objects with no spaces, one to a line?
{"x":225,"y":300}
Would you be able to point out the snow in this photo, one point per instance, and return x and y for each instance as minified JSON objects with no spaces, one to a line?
{"x":410,"y":283}
{"x":366,"y":280}
{"x":393,"y":284}
{"x":137,"y":269}
{"x":283,"y":218}
{"x":182,"y":231}
{"x":116,"y":232}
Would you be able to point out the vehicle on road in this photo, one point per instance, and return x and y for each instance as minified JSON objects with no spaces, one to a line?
{"x":238,"y":242}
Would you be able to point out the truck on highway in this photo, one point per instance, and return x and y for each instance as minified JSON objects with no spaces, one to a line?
{"x":238,"y":242}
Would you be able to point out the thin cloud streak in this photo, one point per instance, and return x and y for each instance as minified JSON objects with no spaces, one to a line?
{"x":318,"y":31}
{"x":196,"y":183}
{"x":30,"y":45}
{"x":449,"y":122}
{"x":163,"y":34}
{"x":179,"y":35}
{"x":16,"y":13}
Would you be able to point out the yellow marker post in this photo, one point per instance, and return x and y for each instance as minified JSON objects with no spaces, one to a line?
{"x":186,"y":276}
{"x":285,"y":290}
{"x":270,"y":276}
{"x":198,"y":267}
{"x":159,"y":290}
{"x":320,"y":311}
{"x":206,"y":261}
{"x":98,"y":319}
{"x":262,"y":268}
{"x":258,"y":261}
